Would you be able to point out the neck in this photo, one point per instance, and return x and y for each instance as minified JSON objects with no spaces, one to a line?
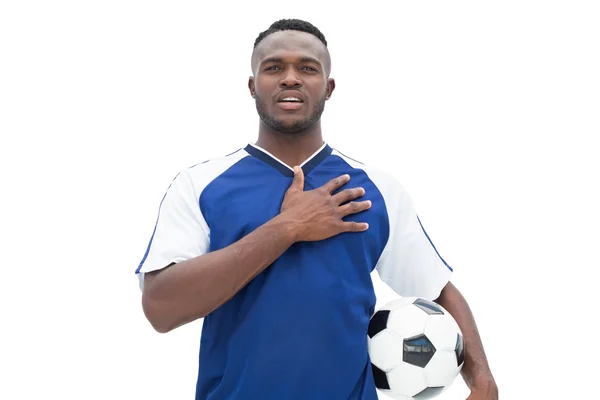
{"x":291,"y":148}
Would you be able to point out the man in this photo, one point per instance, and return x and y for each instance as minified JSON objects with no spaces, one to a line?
{"x":274,"y":245}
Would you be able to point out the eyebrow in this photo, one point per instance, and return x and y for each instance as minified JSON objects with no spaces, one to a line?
{"x":280,"y":60}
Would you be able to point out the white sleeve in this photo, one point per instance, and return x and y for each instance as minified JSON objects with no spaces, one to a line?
{"x":410,"y":263}
{"x":181,"y":232}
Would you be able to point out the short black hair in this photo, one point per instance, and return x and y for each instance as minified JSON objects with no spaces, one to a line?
{"x":291,"y":24}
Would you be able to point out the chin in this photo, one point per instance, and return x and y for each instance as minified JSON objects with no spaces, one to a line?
{"x":291,"y":129}
{"x":289,"y":125}
{"x":292,"y":123}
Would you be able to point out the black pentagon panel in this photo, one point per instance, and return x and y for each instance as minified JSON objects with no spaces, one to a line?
{"x":428,"y":306}
{"x":418,"y":350}
{"x":380,"y":378}
{"x":428,"y":393}
{"x":378,"y":322}
{"x":459,"y":349}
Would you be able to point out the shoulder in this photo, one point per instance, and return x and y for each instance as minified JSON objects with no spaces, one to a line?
{"x":203,"y":173}
{"x":384,"y":180}
{"x":191,"y":181}
{"x":217,"y":163}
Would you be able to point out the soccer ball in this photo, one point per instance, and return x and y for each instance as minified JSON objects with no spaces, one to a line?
{"x":416,"y":349}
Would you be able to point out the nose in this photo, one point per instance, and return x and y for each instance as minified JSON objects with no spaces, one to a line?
{"x":290,"y":79}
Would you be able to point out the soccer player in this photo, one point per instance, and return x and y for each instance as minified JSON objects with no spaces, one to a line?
{"x":274,"y":246}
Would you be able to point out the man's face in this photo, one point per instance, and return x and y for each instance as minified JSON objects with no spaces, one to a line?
{"x":290,"y":82}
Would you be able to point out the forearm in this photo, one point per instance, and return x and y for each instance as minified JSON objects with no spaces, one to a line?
{"x":476,"y":369}
{"x":192,"y":289}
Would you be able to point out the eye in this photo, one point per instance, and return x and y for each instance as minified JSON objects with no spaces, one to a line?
{"x":310,"y":69}
{"x":272,"y":68}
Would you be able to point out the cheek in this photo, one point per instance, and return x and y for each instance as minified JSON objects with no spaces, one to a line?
{"x":265,"y":85}
{"x":318,"y":90}
{"x":318,"y":96}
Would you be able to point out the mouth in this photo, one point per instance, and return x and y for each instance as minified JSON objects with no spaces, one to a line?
{"x":290,"y":101}
{"x":290,"y":105}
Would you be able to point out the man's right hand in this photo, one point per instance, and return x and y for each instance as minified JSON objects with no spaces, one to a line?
{"x":317,"y":214}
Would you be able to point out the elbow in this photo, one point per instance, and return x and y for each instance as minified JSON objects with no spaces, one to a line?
{"x":166,"y":310}
{"x":158,"y":319}
{"x":156,"y":309}
{"x":161,"y":328}
{"x":165,"y":316}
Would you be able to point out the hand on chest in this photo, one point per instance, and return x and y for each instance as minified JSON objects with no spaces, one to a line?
{"x":236,"y":210}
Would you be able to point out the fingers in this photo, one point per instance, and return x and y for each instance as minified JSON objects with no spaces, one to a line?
{"x":354,"y":207}
{"x":353,"y":226}
{"x":298,"y":181}
{"x":336,"y":183}
{"x":349,"y":194}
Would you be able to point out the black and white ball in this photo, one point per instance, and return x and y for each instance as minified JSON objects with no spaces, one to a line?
{"x":416,"y":349}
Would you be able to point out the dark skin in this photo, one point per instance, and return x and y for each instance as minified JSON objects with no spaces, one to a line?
{"x":192,"y":289}
{"x":289,"y":64}
{"x":476,"y":371}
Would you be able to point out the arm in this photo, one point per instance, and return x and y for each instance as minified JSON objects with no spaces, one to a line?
{"x":196,"y":286}
{"x":476,"y":371}
{"x":411,"y":265}
{"x":193,"y":288}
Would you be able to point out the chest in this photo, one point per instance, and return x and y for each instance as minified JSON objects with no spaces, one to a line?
{"x":238,"y":206}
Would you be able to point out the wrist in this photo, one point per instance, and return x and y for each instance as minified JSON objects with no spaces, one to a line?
{"x":288,"y":228}
{"x":483,"y":382}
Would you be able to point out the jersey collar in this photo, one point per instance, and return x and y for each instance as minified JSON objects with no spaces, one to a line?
{"x":308,"y":165}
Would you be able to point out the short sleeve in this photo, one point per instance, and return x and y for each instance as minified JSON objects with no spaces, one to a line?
{"x":410,"y":264}
{"x":180,"y":232}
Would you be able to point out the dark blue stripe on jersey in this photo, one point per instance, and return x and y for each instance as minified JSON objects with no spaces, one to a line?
{"x":160,"y":205}
{"x":155,"y":225}
{"x":350,"y":158}
{"x":264,"y":157}
{"x":428,"y":238}
{"x":210,"y":159}
{"x":309,"y":166}
{"x":316,"y":160}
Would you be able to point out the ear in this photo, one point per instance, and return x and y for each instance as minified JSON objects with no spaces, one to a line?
{"x":251,"y":85}
{"x":330,"y":88}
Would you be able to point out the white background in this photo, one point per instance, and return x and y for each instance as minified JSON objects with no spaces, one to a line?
{"x":487,"y":111}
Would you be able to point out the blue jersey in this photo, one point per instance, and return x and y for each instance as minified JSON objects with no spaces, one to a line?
{"x":298,"y":330}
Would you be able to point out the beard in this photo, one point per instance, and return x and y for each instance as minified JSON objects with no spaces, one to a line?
{"x":294,"y":127}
